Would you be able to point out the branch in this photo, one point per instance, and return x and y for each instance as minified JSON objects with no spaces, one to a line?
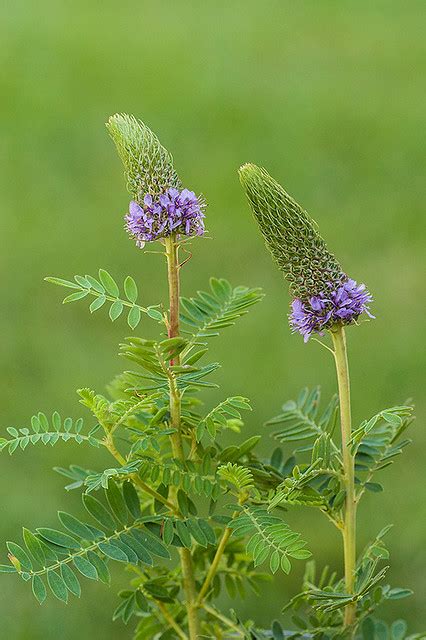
{"x":223,"y":619}
{"x":214,"y":566}
{"x":171,"y":621}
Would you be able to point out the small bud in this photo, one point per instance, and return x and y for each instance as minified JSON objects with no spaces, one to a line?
{"x":14,"y":560}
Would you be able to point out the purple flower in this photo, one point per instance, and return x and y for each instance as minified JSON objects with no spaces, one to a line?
{"x":342,"y":305}
{"x":174,"y":211}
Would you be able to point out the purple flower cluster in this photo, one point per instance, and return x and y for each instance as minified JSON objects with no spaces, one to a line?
{"x":342,"y":305}
{"x":174,"y":211}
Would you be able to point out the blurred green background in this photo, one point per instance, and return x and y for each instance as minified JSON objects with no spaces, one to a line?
{"x":330,"y":97}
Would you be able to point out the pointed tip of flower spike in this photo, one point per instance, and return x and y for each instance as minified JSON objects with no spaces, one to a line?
{"x":245,"y":168}
{"x":115,"y":119}
{"x":148,"y":165}
{"x":250,"y":174}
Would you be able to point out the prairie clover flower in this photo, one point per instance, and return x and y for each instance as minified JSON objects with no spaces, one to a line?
{"x":160,"y":205}
{"x":322,"y":311}
{"x":175,"y":211}
{"x":323,"y":294}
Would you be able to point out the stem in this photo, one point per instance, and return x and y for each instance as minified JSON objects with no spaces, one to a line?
{"x":214,"y":565}
{"x":176,"y":438}
{"x":223,"y":619}
{"x":349,"y":528}
{"x":110,"y":445}
{"x":171,"y":621}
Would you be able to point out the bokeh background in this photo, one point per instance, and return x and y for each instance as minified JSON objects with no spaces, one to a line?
{"x":330,"y":96}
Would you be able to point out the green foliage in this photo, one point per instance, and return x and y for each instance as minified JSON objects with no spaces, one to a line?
{"x":270,"y":538}
{"x":159,"y":371}
{"x":157,"y":509}
{"x":299,"y":418}
{"x":373,"y":629}
{"x":234,"y":453}
{"x":320,"y":605}
{"x":240,"y":477}
{"x":310,"y":485}
{"x":314,"y":476}
{"x":152,"y":503}
{"x":209,"y":312}
{"x":113,"y":414}
{"x":45,"y":432}
{"x":317,"y":481}
{"x":94,"y":481}
{"x":191,"y":529}
{"x":225,"y":415}
{"x":153,"y":494}
{"x":75,"y":473}
{"x":107,"y":290}
{"x":196,"y":478}
{"x":378,"y":441}
{"x":53,"y":558}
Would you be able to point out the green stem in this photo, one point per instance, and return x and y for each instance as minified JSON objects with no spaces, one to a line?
{"x":176,"y":438}
{"x":110,"y":445}
{"x":214,"y":565}
{"x":223,"y":619}
{"x":349,"y":528}
{"x":170,"y":620}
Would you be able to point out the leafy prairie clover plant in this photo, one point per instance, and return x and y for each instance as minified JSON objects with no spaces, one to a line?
{"x":186,"y":515}
{"x":329,"y":473}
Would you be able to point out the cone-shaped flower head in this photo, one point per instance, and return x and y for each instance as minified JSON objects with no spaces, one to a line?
{"x":323,"y":293}
{"x":160,"y":206}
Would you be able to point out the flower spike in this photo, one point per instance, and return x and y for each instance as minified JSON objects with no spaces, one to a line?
{"x":323,"y":294}
{"x":160,"y":206}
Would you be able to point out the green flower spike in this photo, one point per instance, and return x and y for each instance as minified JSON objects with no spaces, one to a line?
{"x":323,"y":294}
{"x":148,"y":165}
{"x":290,"y":235}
